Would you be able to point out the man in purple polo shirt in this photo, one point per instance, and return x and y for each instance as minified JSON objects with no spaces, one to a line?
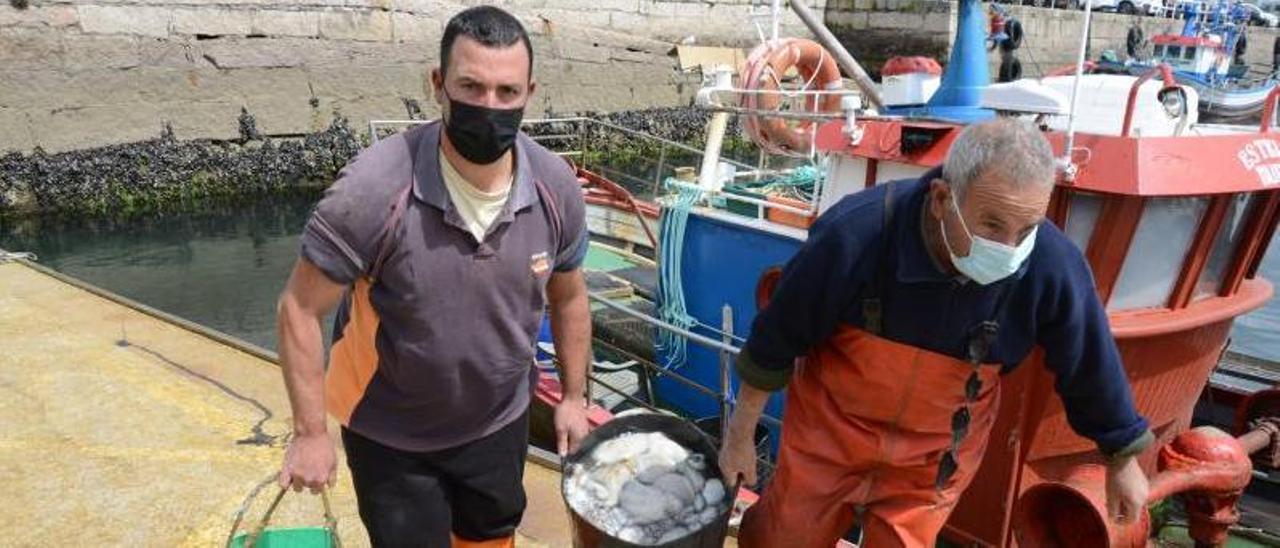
{"x":441,"y":246}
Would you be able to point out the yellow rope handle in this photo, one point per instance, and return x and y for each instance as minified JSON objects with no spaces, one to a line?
{"x":330,"y":522}
{"x":266,"y":518}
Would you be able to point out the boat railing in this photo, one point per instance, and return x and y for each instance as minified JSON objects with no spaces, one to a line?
{"x":1170,"y":87}
{"x":724,"y":347}
{"x":1269,"y":109}
{"x":571,"y":137}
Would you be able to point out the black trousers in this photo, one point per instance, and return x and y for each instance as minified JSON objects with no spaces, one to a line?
{"x":411,"y":499}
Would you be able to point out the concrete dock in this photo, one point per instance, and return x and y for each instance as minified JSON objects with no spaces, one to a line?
{"x":121,"y":426}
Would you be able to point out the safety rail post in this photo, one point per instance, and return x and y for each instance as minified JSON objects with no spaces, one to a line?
{"x":1166,"y":74}
{"x":1269,"y":110}
{"x":591,"y":373}
{"x":582,"y":142}
{"x":657,"y":174}
{"x":726,"y":334}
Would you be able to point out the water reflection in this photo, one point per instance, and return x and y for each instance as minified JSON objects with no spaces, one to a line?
{"x":222,"y":266}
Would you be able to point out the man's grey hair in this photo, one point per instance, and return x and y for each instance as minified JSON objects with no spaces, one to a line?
{"x":1010,"y":149}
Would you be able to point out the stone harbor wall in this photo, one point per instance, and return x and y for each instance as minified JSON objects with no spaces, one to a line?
{"x":168,"y":175}
{"x":875,"y":30}
{"x":140,"y":103}
{"x":84,"y":73}
{"x":76,"y":74}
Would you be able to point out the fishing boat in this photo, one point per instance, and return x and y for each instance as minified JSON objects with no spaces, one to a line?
{"x":1172,"y":214}
{"x":1206,"y":55}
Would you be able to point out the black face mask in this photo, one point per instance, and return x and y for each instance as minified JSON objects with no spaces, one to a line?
{"x":482,"y":134}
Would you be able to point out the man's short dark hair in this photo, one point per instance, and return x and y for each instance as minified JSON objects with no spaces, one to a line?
{"x":490,"y":26}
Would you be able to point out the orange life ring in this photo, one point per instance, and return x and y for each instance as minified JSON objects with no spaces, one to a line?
{"x":766,"y":66}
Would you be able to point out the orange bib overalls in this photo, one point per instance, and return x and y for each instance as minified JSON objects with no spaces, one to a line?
{"x":877,"y":429}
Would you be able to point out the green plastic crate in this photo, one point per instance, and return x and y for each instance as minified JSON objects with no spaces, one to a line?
{"x":263,"y":536}
{"x":294,"y":537}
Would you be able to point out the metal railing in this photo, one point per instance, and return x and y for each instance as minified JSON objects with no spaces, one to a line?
{"x":723,"y":347}
{"x":578,"y":129}
{"x":582,"y":124}
{"x":726,"y":350}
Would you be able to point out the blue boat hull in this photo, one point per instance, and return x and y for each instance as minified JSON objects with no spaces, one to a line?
{"x":722,"y":261}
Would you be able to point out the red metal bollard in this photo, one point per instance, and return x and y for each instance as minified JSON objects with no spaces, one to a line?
{"x":1205,"y":466}
{"x":1072,"y":512}
{"x":1208,"y":469}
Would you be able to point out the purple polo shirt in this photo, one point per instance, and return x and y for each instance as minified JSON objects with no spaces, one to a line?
{"x":456,"y":318}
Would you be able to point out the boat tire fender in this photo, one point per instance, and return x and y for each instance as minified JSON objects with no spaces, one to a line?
{"x":1010,"y":69}
{"x":1275,"y":55}
{"x":1013,"y":28}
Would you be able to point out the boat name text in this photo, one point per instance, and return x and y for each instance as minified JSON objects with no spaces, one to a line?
{"x":1262,"y":156}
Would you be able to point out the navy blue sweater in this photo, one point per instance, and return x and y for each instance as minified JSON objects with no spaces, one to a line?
{"x":1051,"y":302}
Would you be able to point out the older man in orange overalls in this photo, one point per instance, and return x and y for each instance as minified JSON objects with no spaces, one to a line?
{"x":891,"y":329}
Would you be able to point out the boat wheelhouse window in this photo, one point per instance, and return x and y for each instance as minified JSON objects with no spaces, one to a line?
{"x":1083,"y":215}
{"x":1189,"y":53}
{"x":1173,"y":52}
{"x":1223,"y":249}
{"x":1158,"y":51}
{"x":1156,"y":254}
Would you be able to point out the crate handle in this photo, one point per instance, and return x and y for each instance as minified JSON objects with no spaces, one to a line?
{"x":330,"y":522}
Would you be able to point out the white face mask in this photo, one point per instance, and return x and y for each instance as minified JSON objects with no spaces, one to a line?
{"x":988,"y":262}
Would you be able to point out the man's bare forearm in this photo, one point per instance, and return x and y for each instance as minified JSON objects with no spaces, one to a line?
{"x":750,"y":405}
{"x":571,"y":332}
{"x":302,"y":359}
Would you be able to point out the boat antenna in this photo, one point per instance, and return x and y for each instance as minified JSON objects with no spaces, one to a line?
{"x":775,"y":15}
{"x":1069,"y":168}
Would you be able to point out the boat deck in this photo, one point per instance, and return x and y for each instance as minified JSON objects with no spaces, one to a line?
{"x":125,"y":427}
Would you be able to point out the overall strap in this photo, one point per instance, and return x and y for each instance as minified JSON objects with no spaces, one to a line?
{"x":872,"y":302}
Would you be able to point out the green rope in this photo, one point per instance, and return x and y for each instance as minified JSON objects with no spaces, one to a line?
{"x":675,"y":218}
{"x":799,"y":183}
